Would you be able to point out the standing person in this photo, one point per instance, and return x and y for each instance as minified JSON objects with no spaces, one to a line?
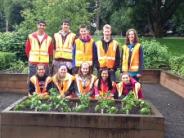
{"x":84,"y":80}
{"x":132,"y":55}
{"x":40,"y":83}
{"x":108,"y":52}
{"x":104,"y":85}
{"x":63,"y":44}
{"x":128,"y":84}
{"x":84,"y":49}
{"x":63,"y":82}
{"x":39,"y":48}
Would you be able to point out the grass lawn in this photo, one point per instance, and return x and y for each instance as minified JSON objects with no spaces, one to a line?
{"x":175,"y":45}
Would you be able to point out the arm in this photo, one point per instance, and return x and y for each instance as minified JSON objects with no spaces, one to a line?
{"x":31,"y":88}
{"x":117,"y":58}
{"x":95,"y":56}
{"x":141,"y":60}
{"x":73,"y":56}
{"x":27,"y":47}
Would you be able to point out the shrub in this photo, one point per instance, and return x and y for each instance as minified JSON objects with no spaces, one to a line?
{"x":155,"y":55}
{"x":6,"y":58}
{"x":177,"y":64}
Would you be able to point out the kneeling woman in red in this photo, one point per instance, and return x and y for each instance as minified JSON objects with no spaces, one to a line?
{"x":103,"y":85}
{"x":128,"y":84}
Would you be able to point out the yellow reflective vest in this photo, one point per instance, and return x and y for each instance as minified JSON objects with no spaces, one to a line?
{"x":107,"y":59}
{"x":35,"y":81}
{"x":39,"y":51}
{"x":63,"y":49}
{"x":134,"y":61}
{"x":83,"y":52}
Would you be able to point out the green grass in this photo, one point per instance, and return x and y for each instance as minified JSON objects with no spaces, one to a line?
{"x":175,"y":44}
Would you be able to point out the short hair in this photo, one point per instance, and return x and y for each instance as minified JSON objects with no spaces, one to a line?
{"x":41,"y":21}
{"x":38,"y":65}
{"x":65,"y":21}
{"x":83,"y":26}
{"x":107,"y":26}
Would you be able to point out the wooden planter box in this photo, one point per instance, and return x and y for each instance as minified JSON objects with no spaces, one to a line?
{"x":173,"y":82}
{"x":27,"y":124}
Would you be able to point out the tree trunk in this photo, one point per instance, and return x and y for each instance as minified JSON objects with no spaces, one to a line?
{"x":7,"y":26}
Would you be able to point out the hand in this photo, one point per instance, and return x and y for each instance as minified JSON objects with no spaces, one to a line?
{"x":138,"y":75}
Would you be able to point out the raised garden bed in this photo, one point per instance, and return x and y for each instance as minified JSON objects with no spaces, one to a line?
{"x":29,"y":124}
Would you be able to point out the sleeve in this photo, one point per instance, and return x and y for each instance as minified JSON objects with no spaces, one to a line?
{"x":71,"y":89}
{"x":121,"y":60}
{"x":49,"y":86}
{"x":95,"y":56}
{"x":117,"y":59}
{"x":51,"y":48}
{"x":31,"y":88}
{"x":141,"y":60}
{"x":73,"y":55}
{"x":27,"y":47}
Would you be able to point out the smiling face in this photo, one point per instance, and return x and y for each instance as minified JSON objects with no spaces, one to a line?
{"x":131,"y":36}
{"x":62,"y":71}
{"x":85,"y":69}
{"x":104,"y":75}
{"x":40,"y":70}
{"x":41,"y":27}
{"x":125,"y":78}
{"x":65,"y":27}
{"x":83,"y":32}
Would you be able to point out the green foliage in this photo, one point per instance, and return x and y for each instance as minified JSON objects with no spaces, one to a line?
{"x":18,"y":66}
{"x":177,"y":64}
{"x":84,"y":103}
{"x":6,"y":58}
{"x":155,"y":55}
{"x":13,"y":42}
{"x":129,"y":103}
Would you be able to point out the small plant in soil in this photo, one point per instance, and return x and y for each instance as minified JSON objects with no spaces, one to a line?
{"x":84,"y":103}
{"x":106,"y":105}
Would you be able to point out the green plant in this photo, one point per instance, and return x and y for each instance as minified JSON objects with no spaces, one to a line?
{"x":6,"y":58}
{"x":18,"y":66}
{"x":84,"y":103}
{"x":106,"y":105}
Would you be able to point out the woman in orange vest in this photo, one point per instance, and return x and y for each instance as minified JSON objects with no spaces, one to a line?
{"x":63,"y":82}
{"x":84,"y":80}
{"x":104,"y":86}
{"x":40,"y":83}
{"x":84,"y":49}
{"x":128,"y":84}
{"x":132,"y":55}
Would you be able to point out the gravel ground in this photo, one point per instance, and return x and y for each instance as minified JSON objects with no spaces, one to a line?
{"x":167,"y":102}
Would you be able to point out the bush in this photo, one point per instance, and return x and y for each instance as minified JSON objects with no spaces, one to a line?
{"x":6,"y":58}
{"x":18,"y":67}
{"x":177,"y":65}
{"x":155,"y":55}
{"x":13,"y":42}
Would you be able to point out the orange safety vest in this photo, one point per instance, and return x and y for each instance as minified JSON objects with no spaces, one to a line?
{"x":84,"y":52}
{"x":63,"y":49}
{"x":64,"y":85}
{"x":35,"y":81}
{"x":39,"y":52}
{"x":88,"y":84}
{"x":107,"y":59}
{"x":134,"y":61}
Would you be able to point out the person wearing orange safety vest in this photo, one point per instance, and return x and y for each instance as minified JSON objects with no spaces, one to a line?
{"x":64,"y":82}
{"x":84,"y":80}
{"x":84,"y":49}
{"x":132,"y":55}
{"x":63,"y":45}
{"x":108,"y":52}
{"x":39,"y":48}
{"x":40,"y":83}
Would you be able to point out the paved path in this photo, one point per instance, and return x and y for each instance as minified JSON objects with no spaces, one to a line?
{"x":167,"y":102}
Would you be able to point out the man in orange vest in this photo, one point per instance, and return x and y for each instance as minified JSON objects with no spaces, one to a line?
{"x":108,"y":52}
{"x":63,"y":44}
{"x":84,"y":49}
{"x":38,"y":48}
{"x":40,"y":83}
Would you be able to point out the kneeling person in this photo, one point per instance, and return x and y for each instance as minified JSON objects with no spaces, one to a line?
{"x":63,"y":82}
{"x":40,"y":83}
{"x":127,"y":85}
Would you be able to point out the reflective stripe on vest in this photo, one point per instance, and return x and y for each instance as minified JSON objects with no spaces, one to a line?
{"x":84,"y":52}
{"x":39,"y":52}
{"x":88,"y":84}
{"x":35,"y":81}
{"x":64,"y":85}
{"x":107,"y":59}
{"x":63,"y":50}
{"x":134,"y":61}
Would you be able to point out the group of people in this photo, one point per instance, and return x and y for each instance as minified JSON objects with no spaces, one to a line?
{"x":74,"y":59}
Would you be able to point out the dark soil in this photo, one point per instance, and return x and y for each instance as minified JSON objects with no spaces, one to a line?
{"x":167,"y":102}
